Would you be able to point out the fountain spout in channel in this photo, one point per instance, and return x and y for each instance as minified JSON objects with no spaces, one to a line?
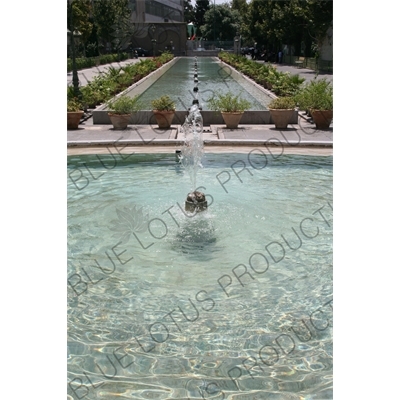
{"x":192,"y":153}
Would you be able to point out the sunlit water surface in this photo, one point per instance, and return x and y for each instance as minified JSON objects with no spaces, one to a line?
{"x":232,"y":303}
{"x":214,"y":77}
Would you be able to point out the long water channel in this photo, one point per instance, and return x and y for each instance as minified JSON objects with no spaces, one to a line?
{"x":213,"y":77}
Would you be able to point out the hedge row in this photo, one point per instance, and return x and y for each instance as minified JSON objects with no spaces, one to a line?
{"x":115,"y":80}
{"x":266,"y":75}
{"x":88,"y":62}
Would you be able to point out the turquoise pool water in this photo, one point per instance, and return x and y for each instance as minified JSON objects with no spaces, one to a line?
{"x":233,"y":303}
{"x":213,"y":76}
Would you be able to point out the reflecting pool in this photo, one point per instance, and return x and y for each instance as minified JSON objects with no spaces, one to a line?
{"x":213,"y":77}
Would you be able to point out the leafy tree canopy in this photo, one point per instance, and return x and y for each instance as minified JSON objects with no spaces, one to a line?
{"x":188,"y":11}
{"x":290,"y":22}
{"x":223,"y":23}
{"x":240,"y":5}
{"x":112,"y":19}
{"x":199,"y":11}
{"x":78,"y":17}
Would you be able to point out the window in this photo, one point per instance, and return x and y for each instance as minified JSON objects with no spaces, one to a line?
{"x":163,"y":11}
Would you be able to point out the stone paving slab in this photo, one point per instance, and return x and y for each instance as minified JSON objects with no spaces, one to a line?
{"x":106,"y":134}
{"x":300,"y":150}
{"x":294,"y":135}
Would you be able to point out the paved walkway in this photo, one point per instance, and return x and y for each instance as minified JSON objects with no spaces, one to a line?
{"x":307,"y":74}
{"x":87,"y":74}
{"x":302,"y":134}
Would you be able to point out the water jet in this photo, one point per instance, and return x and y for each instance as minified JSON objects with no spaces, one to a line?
{"x":192,"y":152}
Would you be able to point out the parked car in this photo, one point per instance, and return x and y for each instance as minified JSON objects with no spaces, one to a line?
{"x":141,"y":52}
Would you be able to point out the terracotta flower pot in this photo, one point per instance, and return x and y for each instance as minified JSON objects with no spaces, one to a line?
{"x":73,"y":119}
{"x":232,"y":119}
{"x":281,"y":118}
{"x":120,"y":121}
{"x":164,"y":118}
{"x":322,"y":118}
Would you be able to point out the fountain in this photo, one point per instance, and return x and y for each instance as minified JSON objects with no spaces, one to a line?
{"x":193,"y":150}
{"x":178,"y":301}
{"x":165,"y":302}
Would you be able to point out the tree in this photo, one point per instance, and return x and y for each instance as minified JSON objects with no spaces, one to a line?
{"x":319,"y":18}
{"x":78,"y":18}
{"x":222,"y":23}
{"x":199,"y":11}
{"x":112,"y":20}
{"x":243,"y":8}
{"x":123,"y":31}
{"x":188,"y":11}
{"x":240,"y":5}
{"x":260,"y":20}
{"x":290,"y":22}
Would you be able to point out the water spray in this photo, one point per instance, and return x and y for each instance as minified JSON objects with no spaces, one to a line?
{"x":193,"y":150}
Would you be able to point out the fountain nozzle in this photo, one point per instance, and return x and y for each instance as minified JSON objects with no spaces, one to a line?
{"x":196,"y":201}
{"x":196,"y":101}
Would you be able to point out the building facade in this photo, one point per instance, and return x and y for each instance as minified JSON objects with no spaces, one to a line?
{"x":157,"y":11}
{"x":159,"y":25}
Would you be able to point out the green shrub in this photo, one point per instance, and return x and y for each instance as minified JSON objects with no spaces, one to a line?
{"x":124,"y":105}
{"x":91,"y":96}
{"x":88,"y":62}
{"x":104,"y":87}
{"x":228,"y":102}
{"x":316,"y":95}
{"x":163,"y":103}
{"x":74,"y":105}
{"x":283,"y":84}
{"x":70,"y":92}
{"x":282,"y":103}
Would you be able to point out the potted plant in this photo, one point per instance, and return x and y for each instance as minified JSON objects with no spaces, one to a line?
{"x":281,"y":110}
{"x":317,"y":98}
{"x":74,"y":113}
{"x":164,"y":111}
{"x":232,"y":107}
{"x":121,"y":110}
